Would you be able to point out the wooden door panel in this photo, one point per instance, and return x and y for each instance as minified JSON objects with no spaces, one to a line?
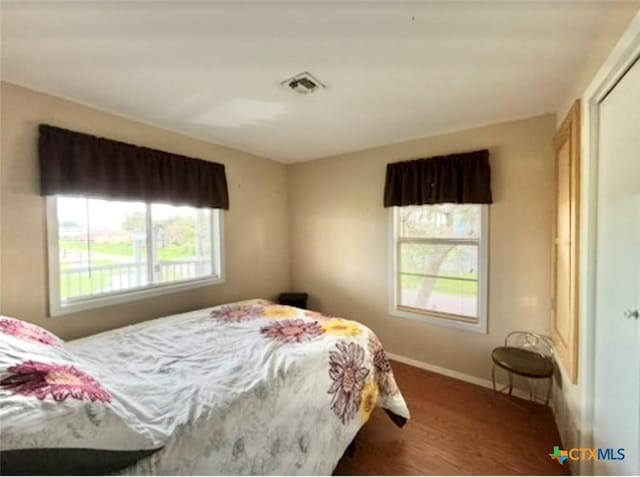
{"x":562,"y":325}
{"x":564,"y":313}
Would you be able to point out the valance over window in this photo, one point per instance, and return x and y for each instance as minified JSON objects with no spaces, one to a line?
{"x":73,"y":163}
{"x":457,"y":178}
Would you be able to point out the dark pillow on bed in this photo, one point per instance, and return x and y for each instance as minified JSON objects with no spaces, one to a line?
{"x":67,"y":461}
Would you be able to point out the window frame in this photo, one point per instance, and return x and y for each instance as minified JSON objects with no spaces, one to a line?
{"x":57,"y":308}
{"x":432,"y":317}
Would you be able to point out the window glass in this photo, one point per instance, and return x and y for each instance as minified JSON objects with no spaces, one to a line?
{"x":102,"y":246}
{"x":437,"y":265}
{"x":182,"y":242}
{"x":108,"y":247}
{"x":440,"y":221}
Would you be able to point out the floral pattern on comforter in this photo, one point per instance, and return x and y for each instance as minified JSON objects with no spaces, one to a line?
{"x":246,"y":388}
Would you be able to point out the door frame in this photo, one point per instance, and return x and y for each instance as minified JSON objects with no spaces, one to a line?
{"x":621,"y":59}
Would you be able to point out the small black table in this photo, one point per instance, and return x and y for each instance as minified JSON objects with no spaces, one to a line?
{"x":522,"y":362}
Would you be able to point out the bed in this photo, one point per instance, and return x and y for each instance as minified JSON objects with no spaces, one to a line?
{"x":244,"y":388}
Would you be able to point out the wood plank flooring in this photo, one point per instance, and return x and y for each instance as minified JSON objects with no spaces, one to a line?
{"x":456,"y":428}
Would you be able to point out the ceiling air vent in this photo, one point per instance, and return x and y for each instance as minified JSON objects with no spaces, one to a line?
{"x":303,"y":83}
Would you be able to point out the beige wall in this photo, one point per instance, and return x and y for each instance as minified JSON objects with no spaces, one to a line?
{"x":320,"y":222}
{"x":256,"y":226}
{"x":339,"y":235}
{"x":612,"y":25}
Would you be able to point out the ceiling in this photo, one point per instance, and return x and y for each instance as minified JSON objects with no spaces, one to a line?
{"x":393,"y":70}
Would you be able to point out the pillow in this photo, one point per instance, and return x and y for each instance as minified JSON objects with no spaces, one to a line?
{"x":67,"y":461}
{"x":28,"y":332}
{"x":54,"y":408}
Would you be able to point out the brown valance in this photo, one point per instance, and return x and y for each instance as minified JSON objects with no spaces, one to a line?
{"x":74,"y":163}
{"x":457,"y":178}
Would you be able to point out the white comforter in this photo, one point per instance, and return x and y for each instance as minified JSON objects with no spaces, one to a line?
{"x":246,"y":388}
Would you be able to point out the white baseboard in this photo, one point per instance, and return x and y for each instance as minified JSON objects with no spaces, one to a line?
{"x":468,"y":378}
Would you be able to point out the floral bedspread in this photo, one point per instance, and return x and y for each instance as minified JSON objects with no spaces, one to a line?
{"x":246,"y":388}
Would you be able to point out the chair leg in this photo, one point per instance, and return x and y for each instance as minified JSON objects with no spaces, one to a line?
{"x":549,"y":387}
{"x":533,"y":388}
{"x":493,"y":377}
{"x":510,"y":383}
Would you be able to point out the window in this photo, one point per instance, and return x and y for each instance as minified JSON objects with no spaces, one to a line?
{"x":104,"y":252}
{"x":439,"y":264}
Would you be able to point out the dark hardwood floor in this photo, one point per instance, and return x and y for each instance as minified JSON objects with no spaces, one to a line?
{"x":456,"y":428}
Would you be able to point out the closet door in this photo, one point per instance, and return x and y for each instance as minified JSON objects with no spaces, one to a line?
{"x":617,"y":321}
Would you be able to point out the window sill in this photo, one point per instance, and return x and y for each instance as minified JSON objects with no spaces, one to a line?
{"x":89,"y":303}
{"x":477,"y":327}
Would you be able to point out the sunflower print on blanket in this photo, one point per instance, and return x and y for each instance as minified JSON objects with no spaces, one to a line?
{"x":347,"y":371}
{"x":382,"y":367}
{"x":237,"y":314}
{"x":33,"y":378}
{"x":279,"y":312}
{"x":292,"y":331}
{"x":340,"y":327}
{"x":369,"y":399}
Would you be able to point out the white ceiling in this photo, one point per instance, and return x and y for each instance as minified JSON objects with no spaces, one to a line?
{"x":393,"y":70}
